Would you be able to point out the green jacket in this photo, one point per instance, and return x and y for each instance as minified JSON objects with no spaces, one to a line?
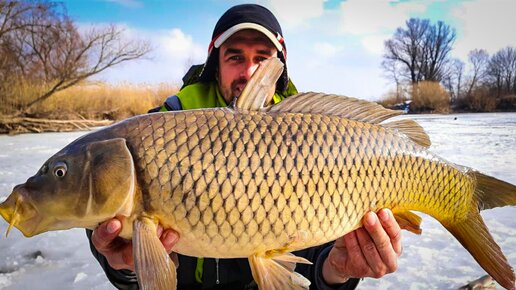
{"x":207,"y":95}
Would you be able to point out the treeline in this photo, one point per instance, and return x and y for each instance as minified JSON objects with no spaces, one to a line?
{"x":417,"y":59}
{"x":42,"y":52}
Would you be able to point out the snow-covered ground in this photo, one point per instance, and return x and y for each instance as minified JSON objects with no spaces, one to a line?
{"x":434,"y":260}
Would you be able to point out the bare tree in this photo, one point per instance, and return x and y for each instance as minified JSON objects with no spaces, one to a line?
{"x":41,"y":44}
{"x":436,"y":48}
{"x":502,"y":71}
{"x":422,"y":49}
{"x":405,"y":48}
{"x":392,"y":71}
{"x":14,"y":13}
{"x":479,"y":59}
{"x":15,"y":18}
{"x":453,"y":79}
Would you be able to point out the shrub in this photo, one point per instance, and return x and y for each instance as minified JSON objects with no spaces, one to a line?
{"x":429,"y":97}
{"x":395,"y":97}
{"x":507,"y":103}
{"x":480,"y":100}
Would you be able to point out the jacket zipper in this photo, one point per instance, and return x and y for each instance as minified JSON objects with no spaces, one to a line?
{"x":217,"y":270}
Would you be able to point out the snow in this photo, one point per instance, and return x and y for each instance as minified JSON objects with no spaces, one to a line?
{"x":434,"y":260}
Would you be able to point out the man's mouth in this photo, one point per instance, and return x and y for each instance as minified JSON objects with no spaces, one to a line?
{"x":238,"y":87}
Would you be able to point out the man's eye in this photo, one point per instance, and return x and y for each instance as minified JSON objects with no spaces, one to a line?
{"x":236,"y":58}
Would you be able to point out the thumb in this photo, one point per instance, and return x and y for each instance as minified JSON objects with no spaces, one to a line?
{"x":105,"y":233}
{"x":169,"y":239}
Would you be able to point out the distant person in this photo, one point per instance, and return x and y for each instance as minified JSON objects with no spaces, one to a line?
{"x":244,"y":36}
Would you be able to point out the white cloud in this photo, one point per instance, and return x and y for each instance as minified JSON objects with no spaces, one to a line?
{"x":294,"y":13}
{"x":340,"y":69}
{"x":364,"y":82}
{"x":374,"y":43}
{"x":325,"y":50}
{"x":173,"y":53}
{"x":371,"y":17}
{"x":375,"y":21}
{"x":484,"y":24}
{"x":176,"y":44}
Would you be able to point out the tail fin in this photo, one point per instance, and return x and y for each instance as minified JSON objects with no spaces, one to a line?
{"x":492,"y":192}
{"x":473,"y":234}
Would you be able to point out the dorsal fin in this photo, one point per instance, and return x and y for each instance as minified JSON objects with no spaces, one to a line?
{"x":329,"y":104}
{"x":353,"y":109}
{"x":412,"y":129}
{"x":261,"y":87}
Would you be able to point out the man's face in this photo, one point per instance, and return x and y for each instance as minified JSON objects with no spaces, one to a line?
{"x":239,"y":57}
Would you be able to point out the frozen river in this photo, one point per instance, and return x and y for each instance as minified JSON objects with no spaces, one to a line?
{"x":434,"y":260}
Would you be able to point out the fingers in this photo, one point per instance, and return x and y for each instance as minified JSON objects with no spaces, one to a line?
{"x":169,"y":239}
{"x":377,"y":247}
{"x":392,"y":228}
{"x":119,"y":252}
{"x":370,"y":253}
{"x":104,"y":235}
{"x":354,"y":250}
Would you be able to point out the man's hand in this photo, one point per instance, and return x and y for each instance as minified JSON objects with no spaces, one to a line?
{"x":118,"y":251}
{"x":370,"y":251}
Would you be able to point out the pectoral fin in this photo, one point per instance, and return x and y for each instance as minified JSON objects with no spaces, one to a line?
{"x":154,"y":268}
{"x":277,"y":272}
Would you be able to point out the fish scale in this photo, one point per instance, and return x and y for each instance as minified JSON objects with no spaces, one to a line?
{"x":228,"y":198}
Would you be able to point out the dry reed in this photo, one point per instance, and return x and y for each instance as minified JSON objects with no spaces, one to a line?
{"x":430,"y":97}
{"x":92,"y":100}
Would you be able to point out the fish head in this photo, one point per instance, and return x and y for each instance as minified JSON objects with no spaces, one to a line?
{"x":83,"y":185}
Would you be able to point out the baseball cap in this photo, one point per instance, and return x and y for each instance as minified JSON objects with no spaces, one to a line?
{"x":245,"y":16}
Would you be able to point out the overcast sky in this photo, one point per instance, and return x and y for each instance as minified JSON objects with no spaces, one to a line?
{"x":333,"y":46}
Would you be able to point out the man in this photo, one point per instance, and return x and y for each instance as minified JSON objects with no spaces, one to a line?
{"x":243,"y":37}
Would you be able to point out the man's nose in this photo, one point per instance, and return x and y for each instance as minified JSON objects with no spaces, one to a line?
{"x":249,"y":69}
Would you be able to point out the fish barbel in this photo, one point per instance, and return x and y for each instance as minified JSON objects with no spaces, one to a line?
{"x":257,"y":182}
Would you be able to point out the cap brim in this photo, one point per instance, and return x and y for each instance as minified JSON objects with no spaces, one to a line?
{"x":275,"y":39}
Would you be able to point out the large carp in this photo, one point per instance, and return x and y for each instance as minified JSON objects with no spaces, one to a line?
{"x":247,"y":181}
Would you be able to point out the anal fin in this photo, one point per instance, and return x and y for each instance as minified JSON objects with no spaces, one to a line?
{"x":408,"y":221}
{"x":277,"y":272}
{"x":154,"y":268}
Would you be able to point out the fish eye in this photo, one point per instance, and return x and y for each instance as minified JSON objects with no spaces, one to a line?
{"x":60,"y":169}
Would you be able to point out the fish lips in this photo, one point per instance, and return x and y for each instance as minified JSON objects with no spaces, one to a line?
{"x":19,"y":212}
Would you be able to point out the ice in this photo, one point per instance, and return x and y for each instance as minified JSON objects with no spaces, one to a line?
{"x":434,"y":260}
{"x":80,"y":276}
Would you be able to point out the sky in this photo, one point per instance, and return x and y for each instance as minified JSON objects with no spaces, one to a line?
{"x":333,"y":46}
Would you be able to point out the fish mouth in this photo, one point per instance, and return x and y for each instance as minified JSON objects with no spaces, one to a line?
{"x":19,"y":212}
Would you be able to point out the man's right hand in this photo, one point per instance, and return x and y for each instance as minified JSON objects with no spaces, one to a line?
{"x":119,"y":251}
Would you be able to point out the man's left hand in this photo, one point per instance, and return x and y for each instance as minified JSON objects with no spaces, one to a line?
{"x":370,"y":251}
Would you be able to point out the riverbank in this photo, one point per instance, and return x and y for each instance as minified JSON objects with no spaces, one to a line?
{"x":80,"y":107}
